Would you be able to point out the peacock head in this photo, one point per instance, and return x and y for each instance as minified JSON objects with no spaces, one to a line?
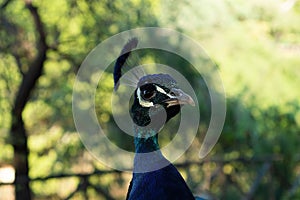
{"x":157,"y":99}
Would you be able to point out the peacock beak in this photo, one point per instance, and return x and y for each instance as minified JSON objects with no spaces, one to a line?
{"x":179,"y":98}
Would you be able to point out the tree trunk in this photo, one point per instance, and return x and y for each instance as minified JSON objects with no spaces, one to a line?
{"x":18,"y":132}
{"x":21,"y":153}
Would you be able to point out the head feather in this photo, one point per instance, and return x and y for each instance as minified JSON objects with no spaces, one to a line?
{"x":122,"y":59}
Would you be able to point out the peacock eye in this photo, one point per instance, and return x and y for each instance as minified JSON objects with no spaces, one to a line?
{"x":148,"y":94}
{"x":147,"y":91}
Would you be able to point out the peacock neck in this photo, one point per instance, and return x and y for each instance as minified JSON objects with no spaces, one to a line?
{"x":145,"y":140}
{"x":148,"y":156}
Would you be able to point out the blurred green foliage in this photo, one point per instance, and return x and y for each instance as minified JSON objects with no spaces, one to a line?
{"x":256,"y":45}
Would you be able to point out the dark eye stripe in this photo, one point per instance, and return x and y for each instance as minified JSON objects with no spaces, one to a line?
{"x":146,"y":94}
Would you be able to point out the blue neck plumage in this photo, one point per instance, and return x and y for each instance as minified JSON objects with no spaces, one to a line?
{"x":148,"y":156}
{"x":145,"y":140}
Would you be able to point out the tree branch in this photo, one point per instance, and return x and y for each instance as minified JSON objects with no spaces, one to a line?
{"x":5,"y":4}
{"x":267,"y":159}
{"x":35,"y":70}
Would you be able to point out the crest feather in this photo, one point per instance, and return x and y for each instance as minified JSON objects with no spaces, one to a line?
{"x":122,"y":59}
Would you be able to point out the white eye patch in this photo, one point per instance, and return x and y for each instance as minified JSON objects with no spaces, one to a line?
{"x":159,"y":89}
{"x":143,"y":102}
{"x":148,"y":104}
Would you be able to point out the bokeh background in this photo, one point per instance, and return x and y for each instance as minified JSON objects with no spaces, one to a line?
{"x":255,"y":44}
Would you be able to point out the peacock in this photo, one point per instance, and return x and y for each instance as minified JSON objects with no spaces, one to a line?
{"x":157,"y":98}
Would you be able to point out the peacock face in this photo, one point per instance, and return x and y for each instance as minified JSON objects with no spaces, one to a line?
{"x":156,"y":97}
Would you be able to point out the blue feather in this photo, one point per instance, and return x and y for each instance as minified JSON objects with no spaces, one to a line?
{"x":165,"y":183}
